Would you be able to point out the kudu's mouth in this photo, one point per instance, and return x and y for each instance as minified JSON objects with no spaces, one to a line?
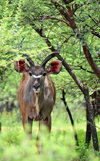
{"x":36,"y":90}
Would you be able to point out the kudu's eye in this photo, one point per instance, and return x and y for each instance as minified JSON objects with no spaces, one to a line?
{"x":44,"y":74}
{"x":30,"y":73}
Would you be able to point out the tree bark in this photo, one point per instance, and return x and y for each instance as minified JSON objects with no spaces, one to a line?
{"x":91,"y":129}
{"x":90,"y":61}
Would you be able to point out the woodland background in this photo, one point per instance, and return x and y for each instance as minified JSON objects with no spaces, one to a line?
{"x":37,"y":28}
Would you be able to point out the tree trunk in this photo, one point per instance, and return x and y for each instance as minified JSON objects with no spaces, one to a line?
{"x":91,"y":129}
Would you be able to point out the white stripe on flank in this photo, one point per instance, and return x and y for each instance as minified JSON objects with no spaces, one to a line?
{"x":37,"y":76}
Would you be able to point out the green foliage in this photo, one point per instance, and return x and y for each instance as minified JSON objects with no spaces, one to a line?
{"x":59,"y":145}
{"x":18,"y":21}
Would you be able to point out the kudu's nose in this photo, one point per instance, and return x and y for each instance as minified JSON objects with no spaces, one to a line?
{"x":36,"y":87}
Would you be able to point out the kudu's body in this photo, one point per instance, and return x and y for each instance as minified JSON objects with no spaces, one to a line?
{"x":37,"y":92}
{"x":36,"y":106}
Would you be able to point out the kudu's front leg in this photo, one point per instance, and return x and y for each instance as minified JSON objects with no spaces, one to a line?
{"x":47,"y":124}
{"x":27,"y":124}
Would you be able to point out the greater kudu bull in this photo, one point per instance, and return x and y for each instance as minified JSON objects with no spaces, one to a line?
{"x":37,"y":92}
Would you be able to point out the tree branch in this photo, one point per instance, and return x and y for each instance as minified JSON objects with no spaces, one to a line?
{"x":94,"y":20}
{"x":62,"y":10}
{"x":87,"y":53}
{"x":67,"y":1}
{"x":70,"y":13}
{"x":51,"y":47}
{"x":90,"y":60}
{"x":57,"y":4}
{"x":80,"y":67}
{"x":70,"y":116}
{"x":92,"y":30}
{"x":54,"y":18}
{"x":75,"y":7}
{"x":20,"y":45}
{"x":69,"y":17}
{"x":95,"y":33}
{"x":4,"y":67}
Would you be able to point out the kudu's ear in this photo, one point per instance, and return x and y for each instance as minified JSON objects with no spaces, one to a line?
{"x":54,"y":67}
{"x":21,"y":66}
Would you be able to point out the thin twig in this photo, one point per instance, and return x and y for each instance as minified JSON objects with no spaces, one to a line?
{"x":70,"y":116}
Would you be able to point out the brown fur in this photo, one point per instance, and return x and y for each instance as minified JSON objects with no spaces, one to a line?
{"x":28,"y":109}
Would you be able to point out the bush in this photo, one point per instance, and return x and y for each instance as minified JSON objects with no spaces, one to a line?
{"x":58,"y":145}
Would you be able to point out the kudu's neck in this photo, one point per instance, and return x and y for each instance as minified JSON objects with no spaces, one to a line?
{"x":40,"y":97}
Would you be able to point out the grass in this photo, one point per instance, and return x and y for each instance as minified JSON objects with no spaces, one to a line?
{"x":57,"y":146}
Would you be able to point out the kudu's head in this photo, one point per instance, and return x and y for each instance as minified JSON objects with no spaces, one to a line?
{"x":38,"y":73}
